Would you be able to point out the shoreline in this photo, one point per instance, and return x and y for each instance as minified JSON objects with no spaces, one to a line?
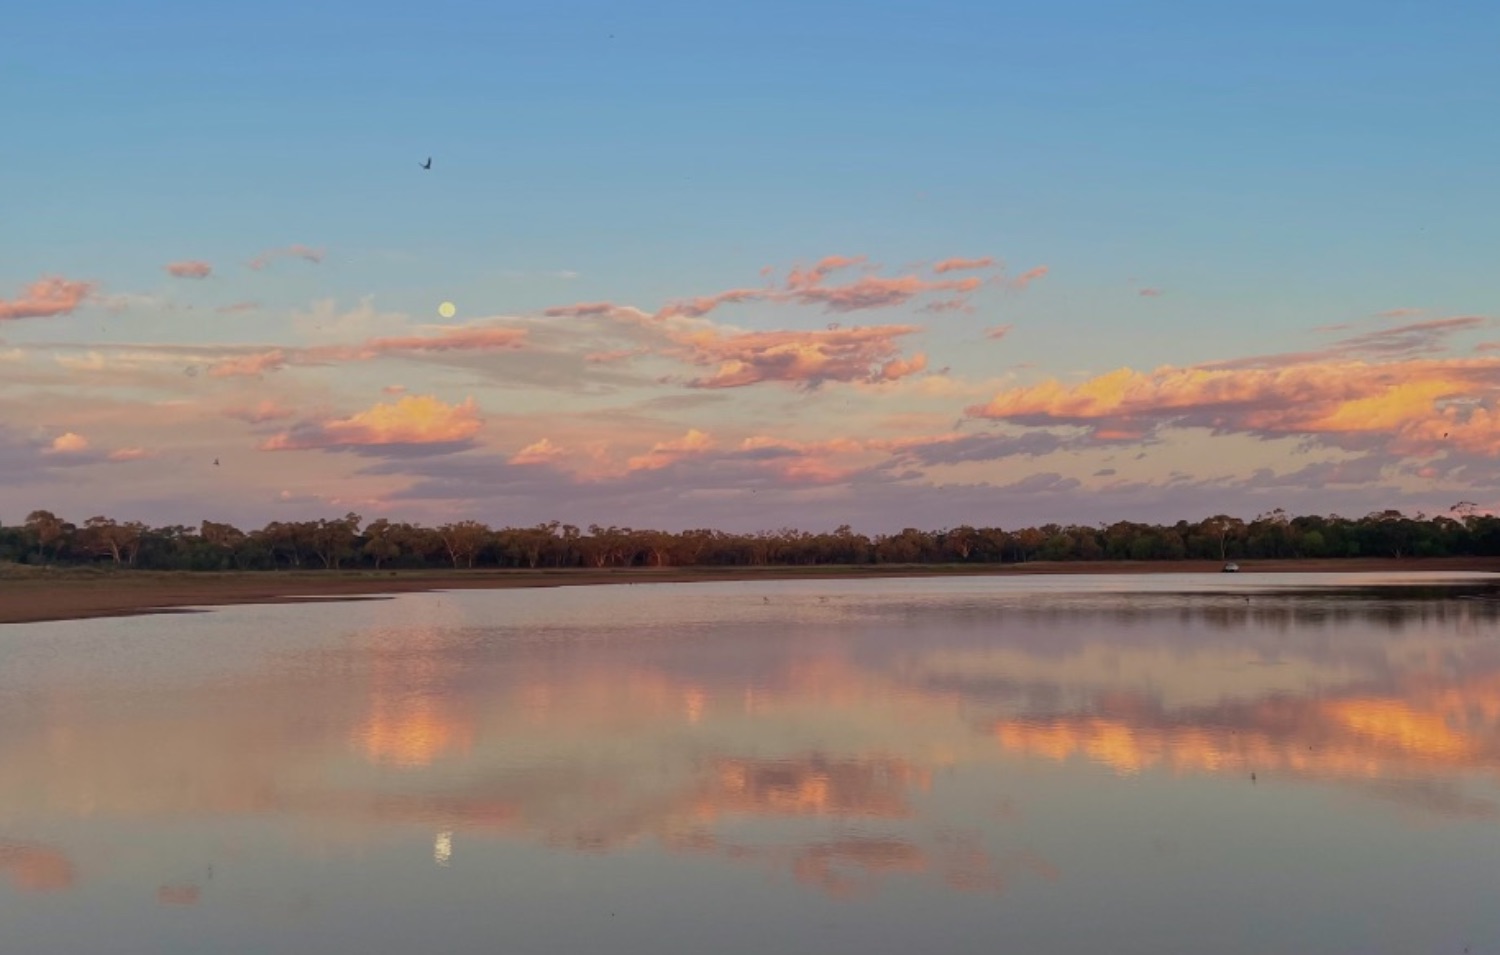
{"x":35,"y":595}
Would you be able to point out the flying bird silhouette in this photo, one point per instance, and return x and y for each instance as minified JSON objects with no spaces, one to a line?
{"x":427,"y":164}
{"x":216,"y":462}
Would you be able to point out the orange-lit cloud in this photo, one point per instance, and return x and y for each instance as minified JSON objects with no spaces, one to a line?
{"x":235,"y":307}
{"x":1414,"y":403}
{"x":538,"y":452}
{"x":47,"y":297}
{"x":129,"y":454}
{"x":413,"y":420}
{"x":68,"y":443}
{"x":956,"y":265}
{"x":1151,"y":293}
{"x":191,"y":269}
{"x":998,"y":332}
{"x":303,"y":252}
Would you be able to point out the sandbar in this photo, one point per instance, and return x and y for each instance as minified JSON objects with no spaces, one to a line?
{"x":34,"y":594}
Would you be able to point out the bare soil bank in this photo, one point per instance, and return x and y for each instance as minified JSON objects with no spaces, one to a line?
{"x":29,"y":594}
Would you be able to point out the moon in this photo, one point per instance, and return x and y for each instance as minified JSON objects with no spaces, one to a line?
{"x":447,"y":309}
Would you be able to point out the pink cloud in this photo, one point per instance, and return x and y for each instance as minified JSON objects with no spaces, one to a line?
{"x":947,"y":305}
{"x":1401,"y":341}
{"x":854,"y":354}
{"x":1413,"y":339}
{"x":873,"y":292}
{"x":191,"y":269}
{"x":47,"y":297}
{"x":456,"y":339}
{"x":798,"y":463}
{"x":412,"y":420}
{"x":956,"y":265}
{"x":1151,"y":293}
{"x":250,"y":366}
{"x":756,"y":461}
{"x":306,"y":253}
{"x":237,"y":307}
{"x":581,"y":310}
{"x":488,"y":338}
{"x":998,"y":332}
{"x":260,"y":413}
{"x":1399,"y":313}
{"x":394,"y":389}
{"x":807,"y":286}
{"x":807,"y":278}
{"x":1029,"y":276}
{"x":698,"y":307}
{"x":613,"y":356}
{"x":665,"y":453}
{"x":898,"y":368}
{"x":129,"y":454}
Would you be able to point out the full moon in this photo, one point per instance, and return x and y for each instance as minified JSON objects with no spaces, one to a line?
{"x":447,"y":309}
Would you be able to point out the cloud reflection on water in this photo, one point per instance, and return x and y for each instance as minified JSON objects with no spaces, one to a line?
{"x":36,"y":868}
{"x":822,"y":741}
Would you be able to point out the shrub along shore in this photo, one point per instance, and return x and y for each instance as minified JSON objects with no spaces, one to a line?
{"x":348,"y":542}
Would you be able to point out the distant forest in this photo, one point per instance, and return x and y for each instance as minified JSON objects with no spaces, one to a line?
{"x":347,"y":542}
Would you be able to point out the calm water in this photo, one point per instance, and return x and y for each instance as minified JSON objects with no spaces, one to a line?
{"x":1069,"y":765}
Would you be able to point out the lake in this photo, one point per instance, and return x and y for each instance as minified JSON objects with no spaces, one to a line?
{"x":1134,"y":764}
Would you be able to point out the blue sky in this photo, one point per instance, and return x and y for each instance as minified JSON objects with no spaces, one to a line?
{"x":1270,"y":167}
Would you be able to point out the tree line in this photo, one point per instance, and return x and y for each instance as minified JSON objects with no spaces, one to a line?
{"x":348,"y":542}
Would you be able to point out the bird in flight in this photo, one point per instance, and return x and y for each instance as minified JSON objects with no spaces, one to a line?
{"x":216,"y":462}
{"x":427,"y":164}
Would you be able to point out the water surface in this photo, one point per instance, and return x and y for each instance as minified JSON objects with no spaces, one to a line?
{"x":1271,"y":764}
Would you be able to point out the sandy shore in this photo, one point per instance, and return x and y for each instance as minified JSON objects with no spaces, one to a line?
{"x":37,"y":594}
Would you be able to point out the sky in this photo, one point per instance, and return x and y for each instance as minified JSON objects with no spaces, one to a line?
{"x":748,"y":266}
